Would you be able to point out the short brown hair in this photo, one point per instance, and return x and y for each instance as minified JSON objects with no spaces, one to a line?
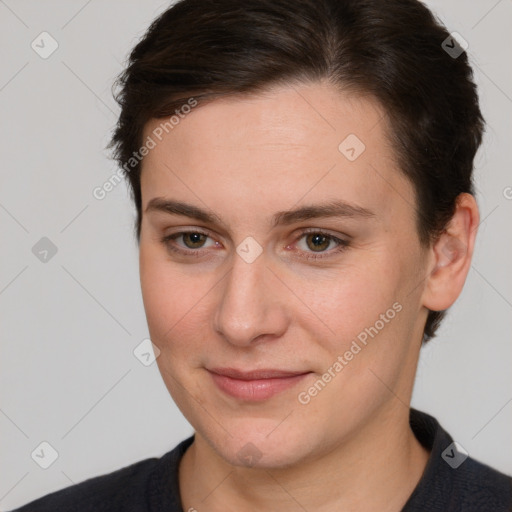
{"x":392,"y":50}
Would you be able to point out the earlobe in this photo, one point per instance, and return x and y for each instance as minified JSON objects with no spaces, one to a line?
{"x":451,"y":255}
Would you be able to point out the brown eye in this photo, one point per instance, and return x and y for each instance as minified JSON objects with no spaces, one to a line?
{"x":193,"y":240}
{"x":314,"y":244}
{"x":187,"y":243}
{"x":317,"y":242}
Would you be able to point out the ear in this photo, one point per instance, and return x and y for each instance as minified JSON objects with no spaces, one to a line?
{"x":451,"y":256}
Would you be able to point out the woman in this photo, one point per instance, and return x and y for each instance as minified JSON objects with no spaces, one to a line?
{"x":302,"y":175}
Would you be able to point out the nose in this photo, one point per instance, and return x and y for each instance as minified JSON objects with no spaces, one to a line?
{"x":251,"y":307}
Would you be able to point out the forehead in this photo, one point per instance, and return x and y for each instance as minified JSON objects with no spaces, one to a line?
{"x":274,"y":149}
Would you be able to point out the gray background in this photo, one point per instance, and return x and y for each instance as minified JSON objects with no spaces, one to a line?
{"x":69,"y":326}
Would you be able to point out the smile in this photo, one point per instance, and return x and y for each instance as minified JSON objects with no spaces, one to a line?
{"x":256,"y":385}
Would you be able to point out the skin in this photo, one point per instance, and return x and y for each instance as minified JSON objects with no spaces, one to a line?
{"x":246,"y":158}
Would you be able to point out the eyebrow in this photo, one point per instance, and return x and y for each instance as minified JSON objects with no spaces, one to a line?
{"x":335,"y":208}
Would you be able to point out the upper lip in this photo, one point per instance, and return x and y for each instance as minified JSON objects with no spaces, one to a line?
{"x":255,"y":374}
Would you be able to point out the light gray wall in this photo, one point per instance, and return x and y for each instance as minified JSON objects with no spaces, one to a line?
{"x":69,"y":325}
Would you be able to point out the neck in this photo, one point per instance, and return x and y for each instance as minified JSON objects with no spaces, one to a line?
{"x":377,"y":469}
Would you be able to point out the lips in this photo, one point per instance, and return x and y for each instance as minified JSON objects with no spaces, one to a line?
{"x":254,"y":385}
{"x":255,"y":374}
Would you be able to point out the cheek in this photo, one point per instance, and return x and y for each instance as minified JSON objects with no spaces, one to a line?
{"x":364,"y":305}
{"x":155,"y":291}
{"x":353,"y":296}
{"x":174,"y":304}
{"x":162,"y":293}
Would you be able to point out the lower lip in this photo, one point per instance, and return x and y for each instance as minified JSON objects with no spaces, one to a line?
{"x":255,"y":390}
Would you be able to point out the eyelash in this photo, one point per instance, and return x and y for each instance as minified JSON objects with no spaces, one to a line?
{"x":342,"y":244}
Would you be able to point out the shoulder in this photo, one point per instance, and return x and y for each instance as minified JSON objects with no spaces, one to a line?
{"x":123,"y":489}
{"x":452,"y":480}
{"x":480,"y":487}
{"x":145,"y":485}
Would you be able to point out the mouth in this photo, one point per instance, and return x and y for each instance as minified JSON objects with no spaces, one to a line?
{"x":255,"y":385}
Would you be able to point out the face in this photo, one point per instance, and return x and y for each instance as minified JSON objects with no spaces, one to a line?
{"x":333,"y":297}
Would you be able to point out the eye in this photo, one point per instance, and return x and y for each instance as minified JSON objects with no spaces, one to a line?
{"x":192,"y":241}
{"x":317,"y":241}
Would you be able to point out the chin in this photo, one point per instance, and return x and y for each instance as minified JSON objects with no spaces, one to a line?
{"x":259,"y":444}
